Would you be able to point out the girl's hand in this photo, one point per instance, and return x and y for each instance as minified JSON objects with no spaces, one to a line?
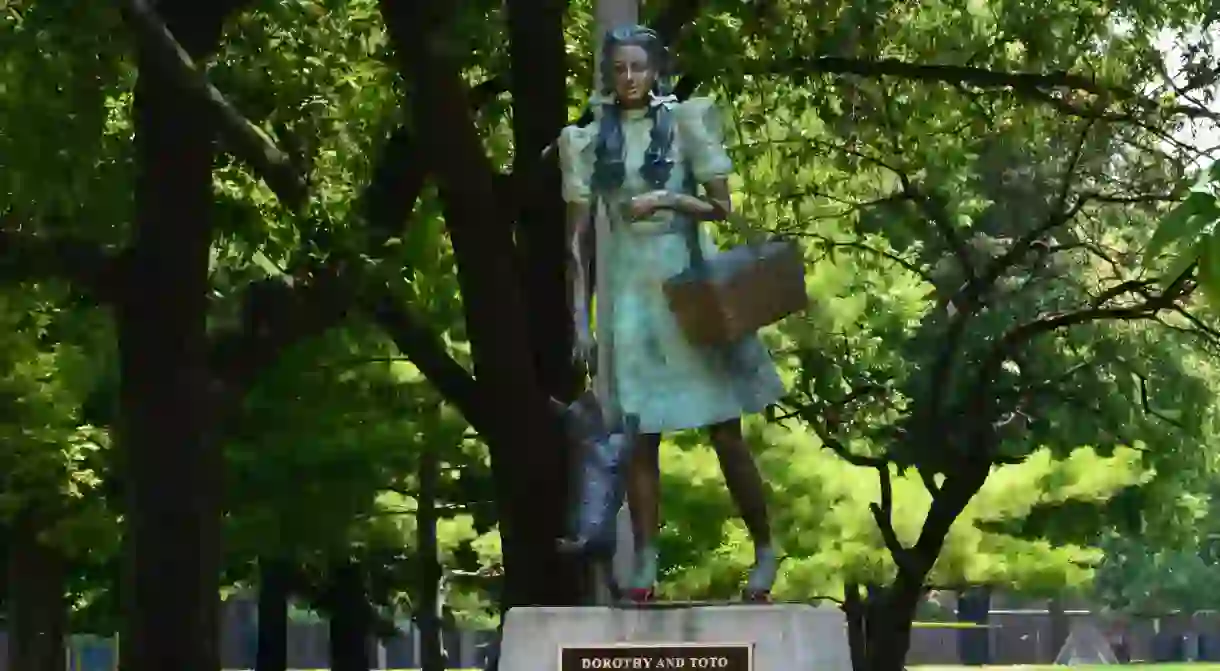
{"x":643,"y":205}
{"x":584,"y":352}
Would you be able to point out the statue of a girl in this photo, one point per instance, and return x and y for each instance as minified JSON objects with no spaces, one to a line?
{"x":644,"y":159}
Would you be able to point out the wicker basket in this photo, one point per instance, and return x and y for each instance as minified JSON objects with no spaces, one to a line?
{"x":738,"y":291}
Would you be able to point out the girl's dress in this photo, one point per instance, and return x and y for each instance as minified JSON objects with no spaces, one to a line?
{"x":669,"y":383}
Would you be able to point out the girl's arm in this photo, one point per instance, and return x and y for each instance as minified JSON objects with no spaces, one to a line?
{"x":580,"y":228}
{"x":716,"y":205}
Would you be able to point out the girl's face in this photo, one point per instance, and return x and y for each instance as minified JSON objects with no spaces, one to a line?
{"x":633,"y":75}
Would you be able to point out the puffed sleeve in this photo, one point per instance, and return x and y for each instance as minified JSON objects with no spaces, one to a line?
{"x":701,"y":132}
{"x":576,"y":153}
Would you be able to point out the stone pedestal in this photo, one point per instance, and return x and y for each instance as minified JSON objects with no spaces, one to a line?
{"x":785,"y":637}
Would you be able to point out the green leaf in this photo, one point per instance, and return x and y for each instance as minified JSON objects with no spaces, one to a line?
{"x":1209,"y":270}
{"x":1184,"y":221}
{"x":1181,"y":264}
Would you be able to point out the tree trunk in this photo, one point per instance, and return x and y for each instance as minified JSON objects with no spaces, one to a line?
{"x":528,"y":448}
{"x":888,"y":624}
{"x":428,"y":615}
{"x":890,"y":612}
{"x":1059,"y":626}
{"x":172,"y":502}
{"x":538,"y":69}
{"x":37,"y":611}
{"x":351,"y":621}
{"x":855,"y":608}
{"x":273,"y":592}
{"x":538,"y":72}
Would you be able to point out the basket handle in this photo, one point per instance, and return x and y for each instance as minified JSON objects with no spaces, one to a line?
{"x":698,"y":260}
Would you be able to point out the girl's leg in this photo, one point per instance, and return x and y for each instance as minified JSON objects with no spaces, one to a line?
{"x":644,"y":499}
{"x":746,"y":487}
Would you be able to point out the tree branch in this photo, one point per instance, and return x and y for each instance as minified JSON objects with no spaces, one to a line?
{"x":1033,"y":85}
{"x":1208,"y":332}
{"x":1115,"y":199}
{"x":26,"y":256}
{"x":249,"y":143}
{"x":276,"y":315}
{"x":970,"y":296}
{"x":1016,"y":337}
{"x":883,"y":510}
{"x":843,"y":452}
{"x":929,"y":481}
{"x":427,"y":352}
{"x":280,"y":313}
{"x":1147,"y":406}
{"x":676,"y":16}
{"x":933,"y":208}
{"x":883,"y":515}
{"x":391,"y":195}
{"x":810,"y":416}
{"x":488,"y":90}
{"x":831,"y":244}
{"x":1059,"y":215}
{"x":329,"y":289}
{"x":1129,"y":286}
{"x":1022,"y":82}
{"x":456,"y":157}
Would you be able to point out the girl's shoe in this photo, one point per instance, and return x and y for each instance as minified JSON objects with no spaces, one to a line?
{"x":756,"y":596}
{"x":762,"y":577}
{"x":641,"y":594}
{"x":644,"y":579}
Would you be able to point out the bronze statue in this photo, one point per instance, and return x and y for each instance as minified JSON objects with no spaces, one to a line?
{"x":643,"y":161}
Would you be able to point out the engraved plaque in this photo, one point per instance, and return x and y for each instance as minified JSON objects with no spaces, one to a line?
{"x":649,"y":656}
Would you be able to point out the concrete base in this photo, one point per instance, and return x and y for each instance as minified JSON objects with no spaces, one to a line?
{"x":786,"y":637}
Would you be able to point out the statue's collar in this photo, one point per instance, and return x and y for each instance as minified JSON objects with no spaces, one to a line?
{"x":598,"y":100}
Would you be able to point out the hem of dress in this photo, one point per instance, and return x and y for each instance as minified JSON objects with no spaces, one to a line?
{"x":664,"y":427}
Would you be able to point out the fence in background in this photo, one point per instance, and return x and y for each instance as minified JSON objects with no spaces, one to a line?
{"x":307,"y":649}
{"x":1010,"y":636}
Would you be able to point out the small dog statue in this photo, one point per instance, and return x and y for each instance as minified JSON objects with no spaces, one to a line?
{"x":605,"y":448}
